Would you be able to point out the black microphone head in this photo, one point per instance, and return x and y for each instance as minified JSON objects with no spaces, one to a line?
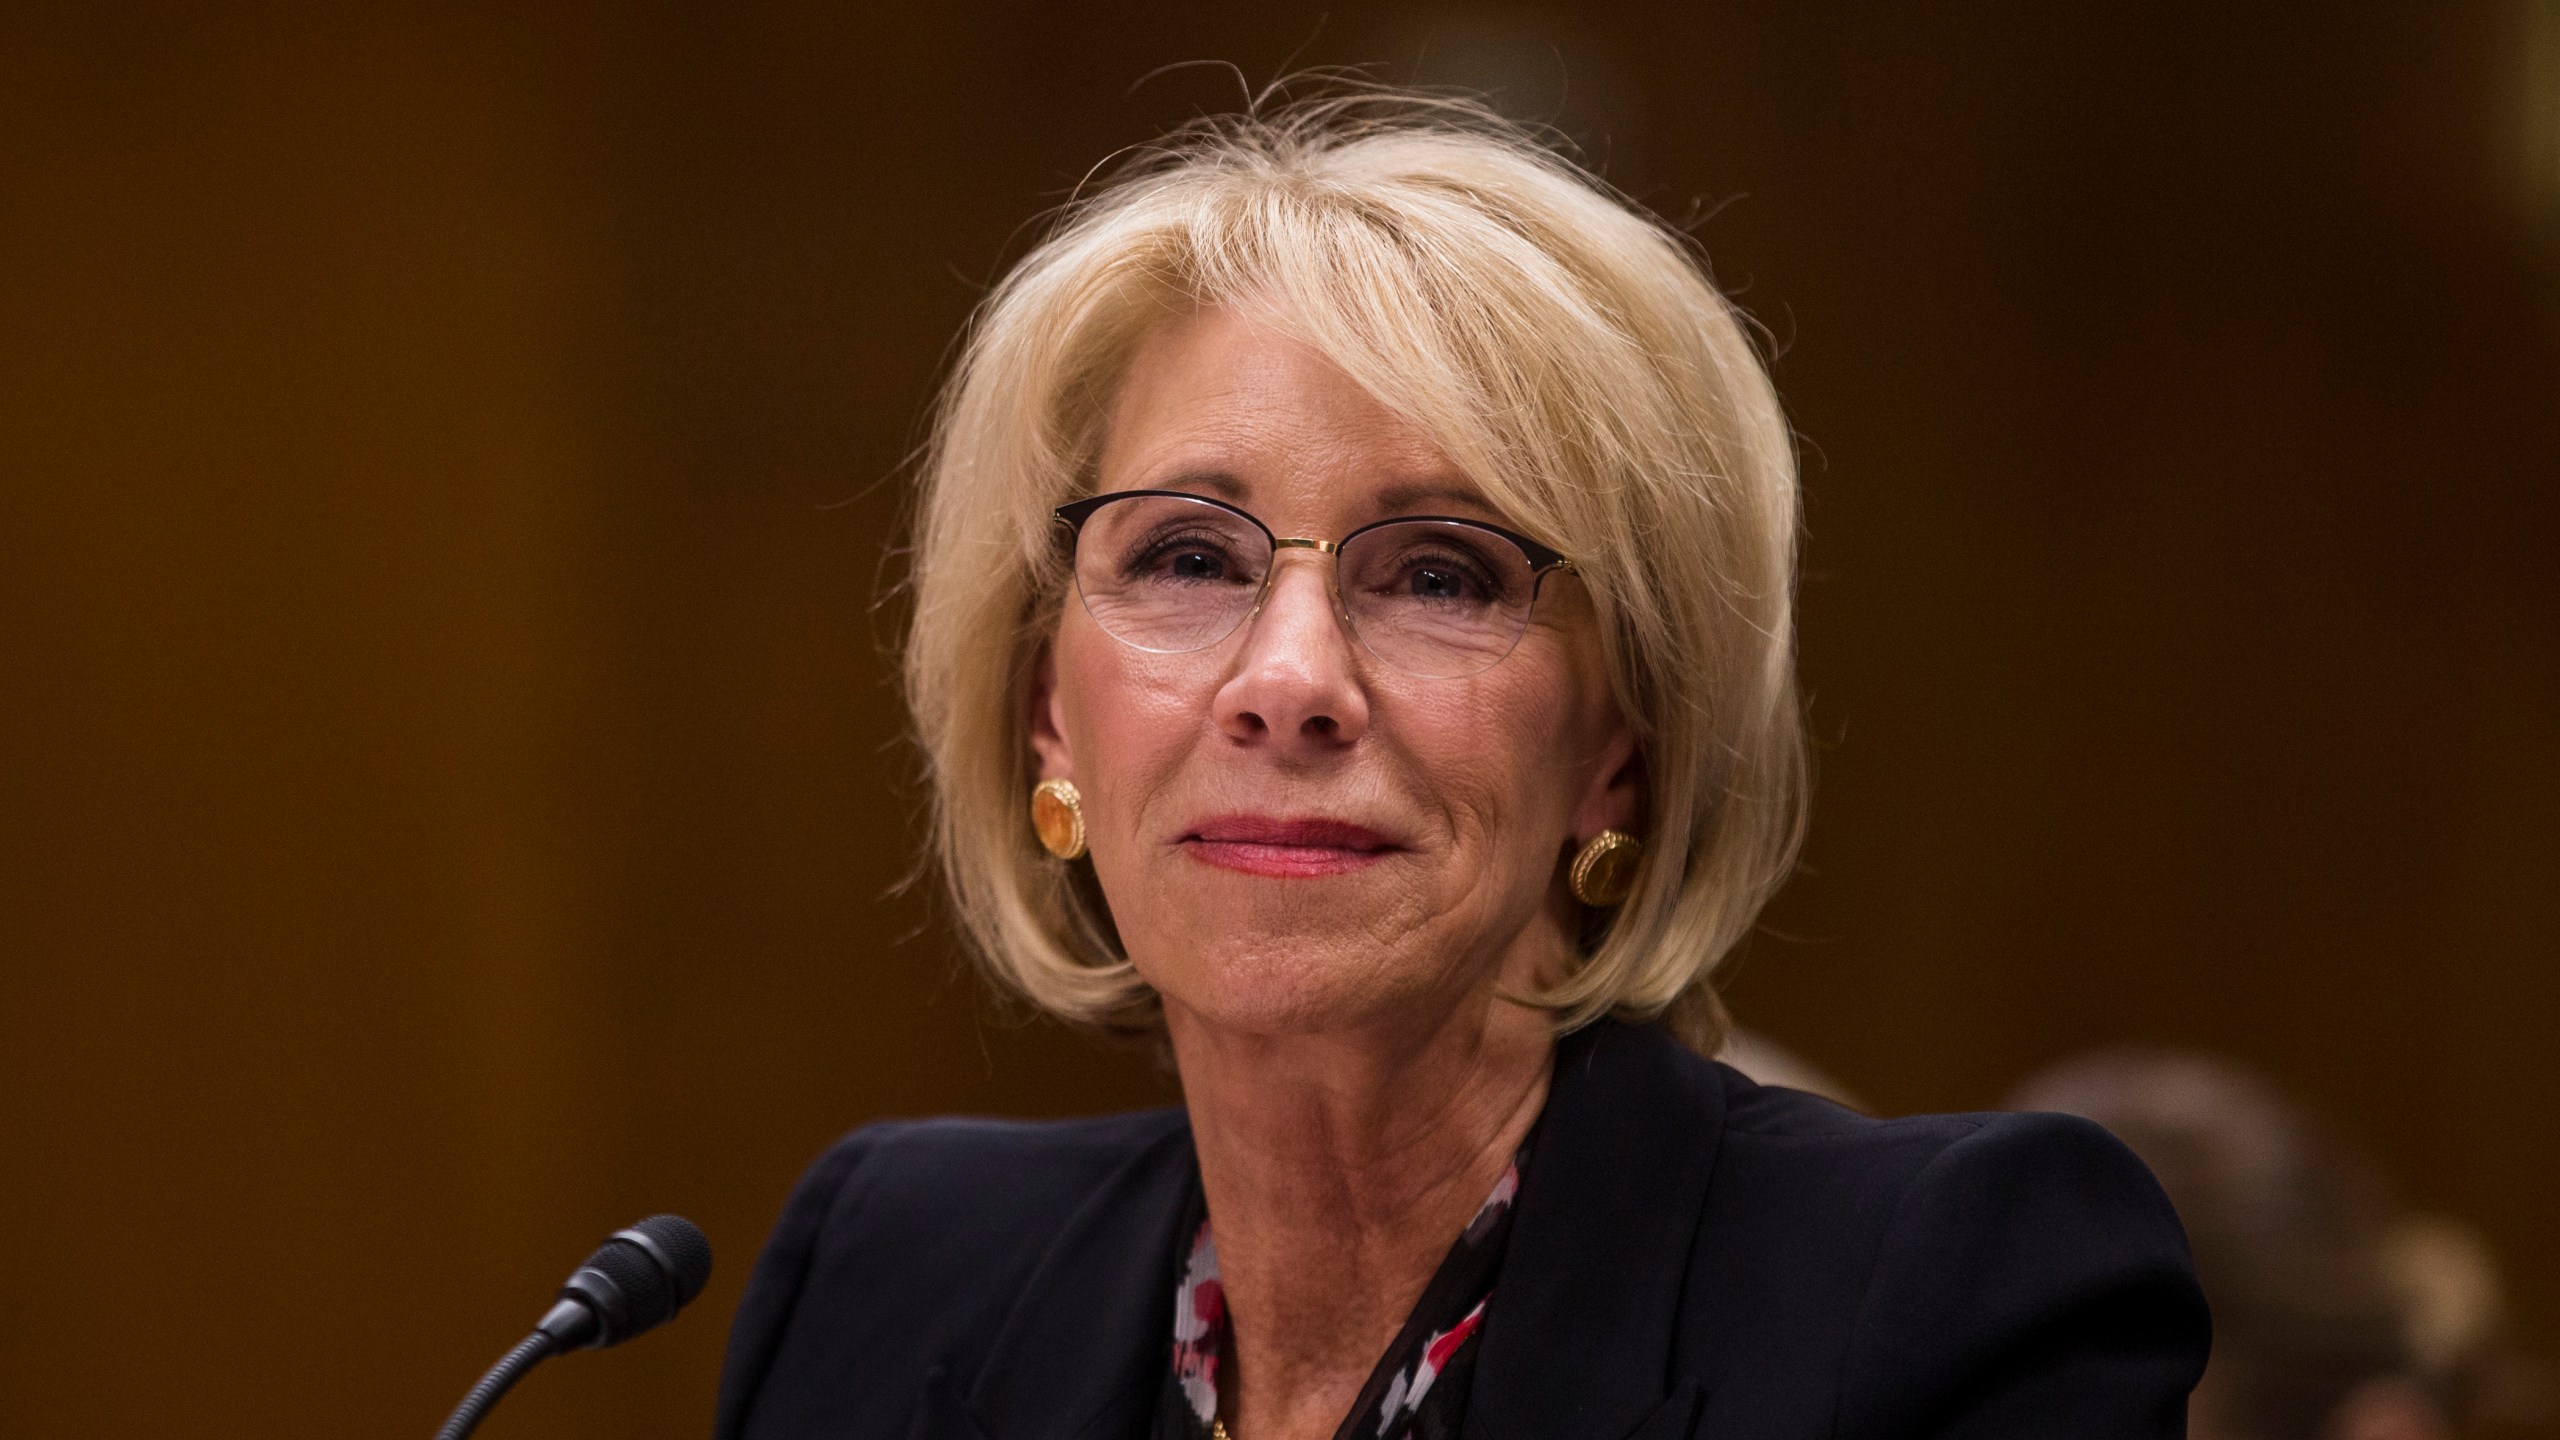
{"x":636,"y":1281}
{"x":686,"y":1250}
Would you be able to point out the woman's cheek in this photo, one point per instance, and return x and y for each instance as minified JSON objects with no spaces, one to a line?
{"x":1122,"y":708}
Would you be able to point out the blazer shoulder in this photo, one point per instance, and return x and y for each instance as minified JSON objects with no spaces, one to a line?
{"x":1887,"y":1155}
{"x":1805,"y":1192}
{"x":2033,"y":1279}
{"x":944,"y":1217}
{"x":1964,"y":1274}
{"x":1968,"y":1188}
{"x":1778,"y":1112}
{"x":1772,"y":1140}
{"x":975,"y":1197}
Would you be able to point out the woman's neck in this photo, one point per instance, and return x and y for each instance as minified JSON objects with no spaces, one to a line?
{"x":1339,"y":1169}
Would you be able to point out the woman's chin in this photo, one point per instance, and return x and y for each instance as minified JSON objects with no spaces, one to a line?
{"x":1310,"y":989}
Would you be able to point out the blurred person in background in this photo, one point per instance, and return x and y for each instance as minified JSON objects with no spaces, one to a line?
{"x":1354,"y":641}
{"x":2334,"y":1317}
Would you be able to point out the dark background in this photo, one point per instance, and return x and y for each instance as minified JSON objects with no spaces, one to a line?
{"x":452,"y":791}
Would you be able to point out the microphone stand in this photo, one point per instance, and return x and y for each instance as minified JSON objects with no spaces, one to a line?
{"x":529,"y":1352}
{"x":635,"y":1282}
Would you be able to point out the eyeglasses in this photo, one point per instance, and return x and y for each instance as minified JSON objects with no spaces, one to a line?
{"x":1432,"y":596}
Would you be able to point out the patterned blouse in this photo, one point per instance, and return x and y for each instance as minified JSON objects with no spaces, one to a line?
{"x":1418,"y":1390}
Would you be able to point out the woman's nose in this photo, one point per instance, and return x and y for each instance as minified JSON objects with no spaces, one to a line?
{"x":1296,"y":682}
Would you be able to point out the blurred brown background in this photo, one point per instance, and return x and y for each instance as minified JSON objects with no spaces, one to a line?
{"x":451,"y":787}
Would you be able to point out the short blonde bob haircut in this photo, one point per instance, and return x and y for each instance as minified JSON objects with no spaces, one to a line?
{"x":1565,"y":350}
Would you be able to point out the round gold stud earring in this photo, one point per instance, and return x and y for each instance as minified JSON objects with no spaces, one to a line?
{"x":1604,"y":871}
{"x":1057,"y":812}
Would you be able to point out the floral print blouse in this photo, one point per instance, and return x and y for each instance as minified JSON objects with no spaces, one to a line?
{"x":1418,"y":1390}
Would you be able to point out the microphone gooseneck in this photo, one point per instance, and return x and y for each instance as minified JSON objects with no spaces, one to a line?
{"x":636,"y":1281}
{"x":532,"y":1350}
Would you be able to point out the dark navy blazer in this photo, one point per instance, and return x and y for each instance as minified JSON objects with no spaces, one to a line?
{"x":1694,"y":1255}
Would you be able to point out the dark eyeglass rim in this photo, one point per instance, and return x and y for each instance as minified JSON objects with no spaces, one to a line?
{"x":1543,"y":560}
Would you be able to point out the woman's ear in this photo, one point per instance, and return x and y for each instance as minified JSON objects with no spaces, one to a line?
{"x":1614,"y":799}
{"x":1047,"y":726}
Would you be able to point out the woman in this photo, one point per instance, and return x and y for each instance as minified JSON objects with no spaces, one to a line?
{"x":1360,"y":551}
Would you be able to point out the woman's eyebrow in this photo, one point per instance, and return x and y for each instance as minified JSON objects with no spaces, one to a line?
{"x":1218,"y":482}
{"x":1428,"y":495}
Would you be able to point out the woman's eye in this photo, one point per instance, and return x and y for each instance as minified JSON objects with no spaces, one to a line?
{"x":1186,"y":560}
{"x":1437,"y":583}
{"x":1443,"y":580}
{"x":1195,"y":565}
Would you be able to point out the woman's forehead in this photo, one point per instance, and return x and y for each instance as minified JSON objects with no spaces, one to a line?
{"x":1227,"y":406}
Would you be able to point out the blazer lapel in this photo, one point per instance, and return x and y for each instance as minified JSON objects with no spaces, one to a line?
{"x":1082,"y":1355}
{"x":1577,"y":1342}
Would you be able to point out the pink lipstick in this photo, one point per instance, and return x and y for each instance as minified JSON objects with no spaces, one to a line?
{"x":1286,"y":849}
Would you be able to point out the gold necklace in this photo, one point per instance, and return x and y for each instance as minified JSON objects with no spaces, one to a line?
{"x":1218,"y":1430}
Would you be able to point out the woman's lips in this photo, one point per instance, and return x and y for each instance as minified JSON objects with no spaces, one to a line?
{"x":1262,"y":845}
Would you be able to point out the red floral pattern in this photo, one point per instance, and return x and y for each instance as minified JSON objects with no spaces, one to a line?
{"x":1417,"y":1391}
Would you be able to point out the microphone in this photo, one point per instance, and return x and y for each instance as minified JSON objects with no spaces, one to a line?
{"x":636,"y":1281}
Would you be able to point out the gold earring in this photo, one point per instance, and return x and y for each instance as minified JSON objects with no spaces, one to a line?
{"x":1604,"y":872}
{"x":1057,"y":812}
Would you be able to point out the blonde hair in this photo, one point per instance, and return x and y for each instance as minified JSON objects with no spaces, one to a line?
{"x":1562,"y":348}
